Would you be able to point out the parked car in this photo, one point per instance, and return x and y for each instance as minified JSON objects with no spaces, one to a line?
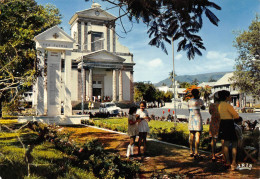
{"x":109,"y":108}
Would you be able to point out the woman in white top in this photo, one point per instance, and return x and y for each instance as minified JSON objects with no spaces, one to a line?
{"x":132,"y":130}
{"x":143,"y":119}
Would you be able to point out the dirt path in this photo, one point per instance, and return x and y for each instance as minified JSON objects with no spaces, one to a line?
{"x":169,"y":159}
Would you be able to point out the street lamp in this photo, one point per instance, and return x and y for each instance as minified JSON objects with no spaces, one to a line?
{"x":173,"y":76}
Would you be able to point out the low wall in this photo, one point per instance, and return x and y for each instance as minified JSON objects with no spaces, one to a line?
{"x":59,"y":120}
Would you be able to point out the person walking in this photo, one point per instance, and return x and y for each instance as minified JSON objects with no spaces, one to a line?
{"x":227,"y":127}
{"x":195,"y":122}
{"x":132,"y":131}
{"x":214,"y":124}
{"x":89,"y":105}
{"x":143,"y":119}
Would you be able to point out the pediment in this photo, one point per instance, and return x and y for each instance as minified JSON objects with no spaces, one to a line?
{"x":54,"y":34}
{"x":103,"y":56}
{"x":54,"y":38}
{"x":93,"y":13}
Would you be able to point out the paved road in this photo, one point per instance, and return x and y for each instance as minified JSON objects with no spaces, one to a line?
{"x":205,"y":113}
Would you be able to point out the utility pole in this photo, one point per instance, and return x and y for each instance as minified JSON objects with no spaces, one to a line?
{"x":173,"y":80}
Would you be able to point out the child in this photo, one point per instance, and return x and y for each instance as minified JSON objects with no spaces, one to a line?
{"x":132,"y":130}
{"x":143,"y":118}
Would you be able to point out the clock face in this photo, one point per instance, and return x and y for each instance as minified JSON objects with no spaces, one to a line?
{"x":97,"y":13}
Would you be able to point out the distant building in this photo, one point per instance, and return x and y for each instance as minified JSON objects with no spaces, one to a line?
{"x":180,"y":92}
{"x":203,"y":84}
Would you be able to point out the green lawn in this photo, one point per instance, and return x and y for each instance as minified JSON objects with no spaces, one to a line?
{"x":113,"y":123}
{"x":48,"y":162}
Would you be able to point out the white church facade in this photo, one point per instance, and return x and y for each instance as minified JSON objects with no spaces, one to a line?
{"x":88,"y":64}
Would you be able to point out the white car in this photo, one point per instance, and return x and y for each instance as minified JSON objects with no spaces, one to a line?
{"x":109,"y":108}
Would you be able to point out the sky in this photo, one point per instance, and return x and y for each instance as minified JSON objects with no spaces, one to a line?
{"x":152,"y":64}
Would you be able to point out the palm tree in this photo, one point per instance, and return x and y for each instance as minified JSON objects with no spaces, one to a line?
{"x":171,"y":76}
{"x":205,"y":93}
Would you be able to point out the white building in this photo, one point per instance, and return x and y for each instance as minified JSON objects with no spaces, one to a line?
{"x":89,"y":62}
{"x":225,"y":83}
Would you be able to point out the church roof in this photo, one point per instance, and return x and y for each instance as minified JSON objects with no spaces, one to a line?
{"x":103,"y":56}
{"x":95,"y":12}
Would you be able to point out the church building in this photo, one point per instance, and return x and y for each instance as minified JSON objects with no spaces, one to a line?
{"x":89,"y":64}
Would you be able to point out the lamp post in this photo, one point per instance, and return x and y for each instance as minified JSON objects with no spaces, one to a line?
{"x":173,"y":76}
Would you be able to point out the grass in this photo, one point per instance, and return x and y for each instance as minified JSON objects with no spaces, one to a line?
{"x":123,"y":122}
{"x":48,"y":162}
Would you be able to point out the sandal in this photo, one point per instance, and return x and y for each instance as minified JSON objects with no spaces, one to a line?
{"x":233,"y":167}
{"x":191,"y":154}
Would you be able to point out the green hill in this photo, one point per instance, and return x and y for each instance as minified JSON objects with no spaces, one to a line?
{"x":189,"y":78}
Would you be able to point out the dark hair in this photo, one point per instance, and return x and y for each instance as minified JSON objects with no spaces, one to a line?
{"x":240,"y":119}
{"x":143,"y":102}
{"x":132,"y":110}
{"x":216,"y":97}
{"x":195,"y":93}
{"x":223,"y":95}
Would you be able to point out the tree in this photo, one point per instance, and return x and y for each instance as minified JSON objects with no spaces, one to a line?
{"x":185,"y":84}
{"x":20,"y":21}
{"x":138,"y":96}
{"x":205,"y":93}
{"x":171,"y":75}
{"x":168,"y":96}
{"x":170,"y":19}
{"x":212,"y":79}
{"x":195,"y":82}
{"x":247,"y":69}
{"x":188,"y":94}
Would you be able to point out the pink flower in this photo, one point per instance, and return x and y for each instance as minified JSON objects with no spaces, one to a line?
{"x":80,"y":150}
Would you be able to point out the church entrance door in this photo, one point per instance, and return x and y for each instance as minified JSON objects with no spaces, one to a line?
{"x":96,"y":91}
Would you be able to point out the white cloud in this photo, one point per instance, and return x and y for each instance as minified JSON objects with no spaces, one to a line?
{"x":213,"y":61}
{"x":178,"y":57}
{"x":155,"y":63}
{"x":153,"y":70}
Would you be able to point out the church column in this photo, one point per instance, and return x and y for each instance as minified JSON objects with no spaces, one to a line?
{"x":131,"y":87}
{"x":82,"y":35}
{"x":88,"y":36}
{"x":114,"y":85}
{"x":40,"y":85}
{"x":67,"y":86}
{"x":120,"y":85}
{"x":84,"y":84}
{"x":90,"y":85}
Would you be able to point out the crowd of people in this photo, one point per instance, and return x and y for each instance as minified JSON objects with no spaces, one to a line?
{"x":225,"y":125}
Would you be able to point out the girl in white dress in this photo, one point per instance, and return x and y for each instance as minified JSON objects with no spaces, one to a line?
{"x":143,"y":119}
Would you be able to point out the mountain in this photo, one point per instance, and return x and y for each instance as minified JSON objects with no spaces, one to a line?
{"x":189,"y":78}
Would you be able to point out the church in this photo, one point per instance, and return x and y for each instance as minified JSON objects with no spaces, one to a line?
{"x":88,"y":65}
